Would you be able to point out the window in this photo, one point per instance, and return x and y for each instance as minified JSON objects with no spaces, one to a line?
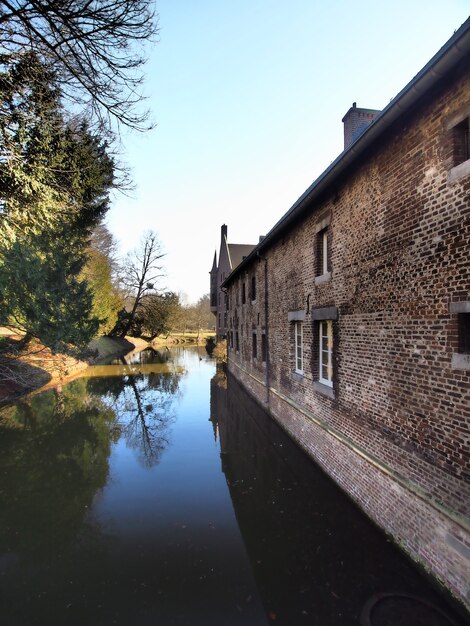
{"x":322,"y":249}
{"x":253,"y":288}
{"x":264,"y":348}
{"x":237,"y":342}
{"x":464,"y":333}
{"x":298,"y":350}
{"x":325,"y":352}
{"x":254,"y":346}
{"x":243,"y":293}
{"x":322,"y":252}
{"x":461,"y":142}
{"x":459,"y":146}
{"x":219,"y":321}
{"x":460,"y":337}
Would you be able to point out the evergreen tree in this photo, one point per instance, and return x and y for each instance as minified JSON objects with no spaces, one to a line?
{"x":55,"y":179}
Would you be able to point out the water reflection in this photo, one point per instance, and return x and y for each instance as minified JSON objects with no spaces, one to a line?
{"x":317,"y":560}
{"x":55,"y":447}
{"x":142,"y":395}
{"x":114,"y":510}
{"x":54,"y":451}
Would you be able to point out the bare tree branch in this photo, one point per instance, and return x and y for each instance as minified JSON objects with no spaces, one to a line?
{"x":141,"y":269}
{"x":96,"y":47}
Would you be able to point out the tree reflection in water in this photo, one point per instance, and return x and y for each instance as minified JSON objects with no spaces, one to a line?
{"x":54,"y":451}
{"x":144,"y":404}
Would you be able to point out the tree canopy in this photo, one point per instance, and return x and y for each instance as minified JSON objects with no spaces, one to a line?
{"x":70,"y":76}
{"x":55,"y":179}
{"x":96,"y":48}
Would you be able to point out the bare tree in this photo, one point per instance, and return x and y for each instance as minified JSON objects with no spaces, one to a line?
{"x":142,"y":268}
{"x":96,"y":48}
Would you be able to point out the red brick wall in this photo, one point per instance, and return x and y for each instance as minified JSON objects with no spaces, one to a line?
{"x":399,"y":237}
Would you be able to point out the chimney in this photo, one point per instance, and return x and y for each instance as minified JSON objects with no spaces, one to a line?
{"x":223,"y":231}
{"x":355,"y":122}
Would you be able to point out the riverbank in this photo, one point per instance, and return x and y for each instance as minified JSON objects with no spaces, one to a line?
{"x":36,"y":367}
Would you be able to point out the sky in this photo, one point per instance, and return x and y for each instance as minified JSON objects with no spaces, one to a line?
{"x":247,"y":97}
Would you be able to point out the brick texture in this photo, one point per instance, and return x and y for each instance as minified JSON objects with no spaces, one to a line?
{"x":399,"y":245}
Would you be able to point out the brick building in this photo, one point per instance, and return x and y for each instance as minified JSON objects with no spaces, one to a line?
{"x":230,"y":255}
{"x":350,"y":320}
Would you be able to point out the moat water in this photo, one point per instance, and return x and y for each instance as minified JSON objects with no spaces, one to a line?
{"x":155,"y":492}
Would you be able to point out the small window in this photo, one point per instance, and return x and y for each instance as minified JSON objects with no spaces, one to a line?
{"x":299,"y":356}
{"x":322,"y":252}
{"x":237,"y":342}
{"x":460,"y":335}
{"x":219,"y":321}
{"x":264,"y":348}
{"x":325,"y":352}
{"x":254,"y":346}
{"x":464,"y":332}
{"x":461,"y":142}
{"x":253,"y":288}
{"x":243,"y":293}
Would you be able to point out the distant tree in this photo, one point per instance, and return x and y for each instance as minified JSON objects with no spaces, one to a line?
{"x":198,"y":316}
{"x":141,"y":270}
{"x":161,"y":314}
{"x":94,"y":46}
{"x":204,"y":315}
{"x":99,"y":272}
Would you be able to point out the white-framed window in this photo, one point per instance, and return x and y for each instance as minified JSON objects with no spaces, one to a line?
{"x":325,"y":352}
{"x":298,"y":347}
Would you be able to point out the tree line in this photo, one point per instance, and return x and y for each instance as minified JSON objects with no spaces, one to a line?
{"x":70,"y":78}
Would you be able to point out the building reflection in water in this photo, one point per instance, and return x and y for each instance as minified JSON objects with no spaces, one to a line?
{"x":316,"y":558}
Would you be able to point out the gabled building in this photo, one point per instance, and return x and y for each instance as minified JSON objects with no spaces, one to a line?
{"x":230,"y":256}
{"x":357,"y":340}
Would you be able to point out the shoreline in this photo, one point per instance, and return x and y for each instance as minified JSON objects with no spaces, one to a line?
{"x":42,"y":370}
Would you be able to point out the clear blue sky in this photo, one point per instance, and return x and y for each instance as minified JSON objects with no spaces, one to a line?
{"x":248,"y":97}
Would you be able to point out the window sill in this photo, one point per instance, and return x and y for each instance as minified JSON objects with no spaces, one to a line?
{"x":460,"y":361}
{"x":458,"y":172}
{"x":298,"y":376}
{"x":324,"y":278}
{"x":324,"y":390}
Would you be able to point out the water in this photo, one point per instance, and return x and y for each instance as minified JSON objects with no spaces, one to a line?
{"x":136,"y":497}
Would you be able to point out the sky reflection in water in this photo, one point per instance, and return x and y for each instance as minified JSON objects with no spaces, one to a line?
{"x":130,"y":497}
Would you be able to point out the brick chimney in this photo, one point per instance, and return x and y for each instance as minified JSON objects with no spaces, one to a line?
{"x":355,"y":122}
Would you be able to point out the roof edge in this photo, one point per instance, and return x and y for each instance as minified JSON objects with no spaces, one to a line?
{"x":442,"y":62}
